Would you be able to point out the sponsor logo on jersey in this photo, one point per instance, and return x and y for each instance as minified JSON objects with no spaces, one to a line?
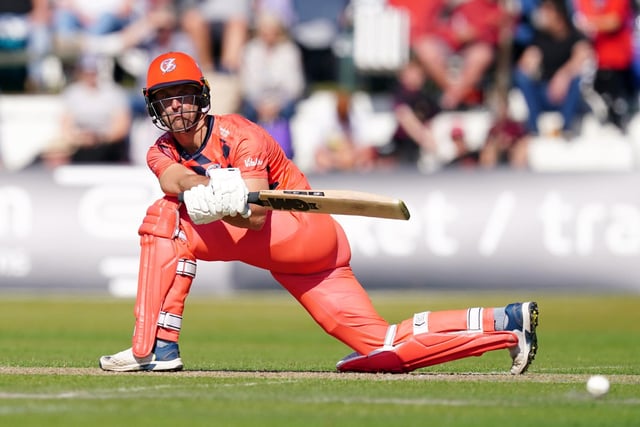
{"x":252,"y":162}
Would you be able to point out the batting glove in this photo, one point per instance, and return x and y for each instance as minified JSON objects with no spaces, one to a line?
{"x":200,"y":204}
{"x":229,"y":192}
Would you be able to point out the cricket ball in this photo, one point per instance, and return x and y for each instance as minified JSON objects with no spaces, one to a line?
{"x":598,"y":385}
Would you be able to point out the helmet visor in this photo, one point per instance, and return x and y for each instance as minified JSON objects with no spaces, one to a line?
{"x":178,"y":108}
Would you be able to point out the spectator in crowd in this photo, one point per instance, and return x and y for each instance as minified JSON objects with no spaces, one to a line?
{"x":272,"y":78}
{"x":464,"y":157}
{"x":317,"y":26}
{"x":470,"y":31}
{"x":163,"y":34}
{"x":219,"y":30}
{"x":342,"y":149}
{"x":549,"y":70}
{"x":414,"y":107}
{"x":609,"y":26}
{"x":422,"y":15}
{"x":154,"y":16}
{"x":96,"y":120}
{"x":24,"y":27}
{"x":505,"y":144}
{"x":284,"y":9}
{"x":525,"y":26}
{"x":95,"y":17}
{"x":227,"y":30}
{"x":196,"y":26}
{"x":507,"y":141}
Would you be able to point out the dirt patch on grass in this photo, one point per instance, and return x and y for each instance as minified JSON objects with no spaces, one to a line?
{"x":532,"y":377}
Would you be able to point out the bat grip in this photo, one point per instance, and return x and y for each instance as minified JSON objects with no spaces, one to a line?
{"x":253,"y":197}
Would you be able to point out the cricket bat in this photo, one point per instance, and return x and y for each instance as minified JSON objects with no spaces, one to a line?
{"x":338,"y":202}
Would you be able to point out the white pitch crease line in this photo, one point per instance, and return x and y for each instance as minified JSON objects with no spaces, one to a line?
{"x":407,"y":402}
{"x":123,"y":392}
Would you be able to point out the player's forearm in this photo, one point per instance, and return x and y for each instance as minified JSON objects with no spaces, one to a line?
{"x":177,"y":179}
{"x":255,"y":222}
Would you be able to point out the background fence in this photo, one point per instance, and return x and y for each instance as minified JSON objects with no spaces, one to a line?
{"x":75,"y":229}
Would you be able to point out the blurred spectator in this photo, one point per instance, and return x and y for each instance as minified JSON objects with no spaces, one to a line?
{"x":219,"y":30}
{"x":155,"y":30}
{"x":414,"y":107}
{"x":316,"y":29}
{"x":463,"y":157}
{"x":341,"y":149}
{"x":525,"y":25}
{"x":74,"y":21}
{"x":24,"y":28}
{"x":96,"y":120}
{"x":549,"y":70}
{"x":95,"y":17}
{"x":163,"y":34}
{"x":227,"y":30}
{"x":470,"y":31}
{"x":155,"y":16}
{"x":422,"y":15}
{"x":272,"y":78}
{"x":284,"y":9}
{"x":609,"y":26}
{"x":507,"y":141}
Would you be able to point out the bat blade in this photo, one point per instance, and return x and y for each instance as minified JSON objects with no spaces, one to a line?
{"x":338,"y":202}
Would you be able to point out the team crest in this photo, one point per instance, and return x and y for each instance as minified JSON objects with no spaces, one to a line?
{"x":168,"y":65}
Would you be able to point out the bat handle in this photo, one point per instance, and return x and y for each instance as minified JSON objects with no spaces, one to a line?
{"x":253,"y":197}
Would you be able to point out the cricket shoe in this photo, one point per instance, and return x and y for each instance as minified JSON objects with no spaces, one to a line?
{"x":523,"y":320}
{"x":165,"y":357}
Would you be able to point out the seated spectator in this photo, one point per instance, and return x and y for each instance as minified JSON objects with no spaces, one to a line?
{"x":609,"y":26}
{"x":272,"y":78}
{"x":525,"y":26}
{"x":464,"y":157}
{"x":284,"y":9}
{"x":219,"y":30}
{"x":341,"y":149}
{"x":225,"y":33}
{"x":507,"y":141}
{"x":549,"y":70}
{"x":422,"y":15}
{"x":414,"y":107}
{"x":75,"y":20}
{"x":159,"y":16}
{"x":24,"y":28}
{"x":162,"y":34}
{"x":317,"y":27}
{"x":96,"y":121}
{"x":470,"y":30}
{"x":95,"y":17}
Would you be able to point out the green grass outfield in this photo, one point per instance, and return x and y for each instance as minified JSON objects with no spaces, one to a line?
{"x":259,"y":360}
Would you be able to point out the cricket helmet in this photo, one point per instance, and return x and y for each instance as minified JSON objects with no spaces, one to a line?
{"x":173,"y":69}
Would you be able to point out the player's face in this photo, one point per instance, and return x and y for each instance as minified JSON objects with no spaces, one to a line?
{"x":178,"y":106}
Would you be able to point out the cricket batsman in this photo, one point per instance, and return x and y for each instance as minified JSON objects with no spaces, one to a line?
{"x":215,"y":160}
